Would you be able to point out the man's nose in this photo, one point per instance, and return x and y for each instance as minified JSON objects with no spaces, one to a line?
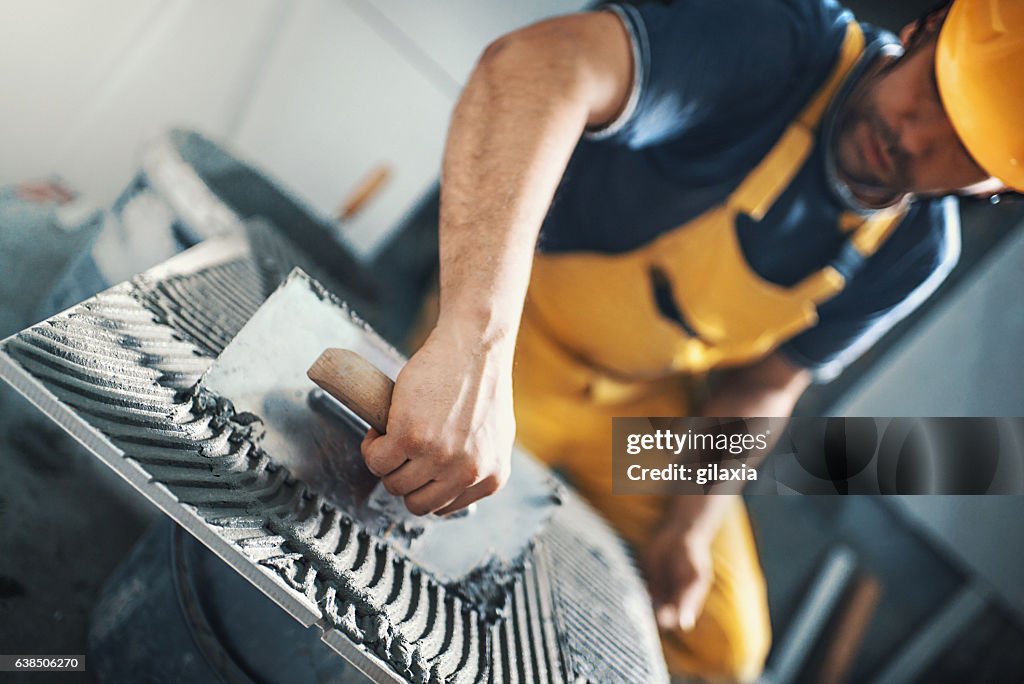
{"x":927,"y":134}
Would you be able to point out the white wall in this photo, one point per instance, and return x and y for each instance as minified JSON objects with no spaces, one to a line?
{"x":317,"y":92}
{"x":85,"y":83}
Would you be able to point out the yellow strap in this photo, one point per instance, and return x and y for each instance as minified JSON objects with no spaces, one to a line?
{"x":820,"y":286}
{"x":759,"y":190}
{"x":849,"y":53}
{"x":762,"y":186}
{"x":870,"y":236}
{"x":868,"y":239}
{"x":850,"y":221}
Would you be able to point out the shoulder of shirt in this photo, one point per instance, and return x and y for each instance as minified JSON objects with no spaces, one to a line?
{"x":925,"y":247}
{"x":809,"y":19}
{"x":931,"y":233}
{"x":939,"y":225}
{"x":811,"y":30}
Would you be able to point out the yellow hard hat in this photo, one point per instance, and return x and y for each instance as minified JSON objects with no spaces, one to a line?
{"x":979,"y":65}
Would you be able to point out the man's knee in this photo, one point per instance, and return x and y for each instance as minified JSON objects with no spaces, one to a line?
{"x":746,"y":654}
{"x":732,"y":636}
{"x":722,"y":650}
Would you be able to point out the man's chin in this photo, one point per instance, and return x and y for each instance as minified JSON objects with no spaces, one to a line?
{"x":870,"y":191}
{"x":862,"y":181}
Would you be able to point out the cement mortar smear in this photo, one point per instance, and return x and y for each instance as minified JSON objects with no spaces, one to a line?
{"x":126,"y":364}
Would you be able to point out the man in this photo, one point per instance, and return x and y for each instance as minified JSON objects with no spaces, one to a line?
{"x":758,"y":192}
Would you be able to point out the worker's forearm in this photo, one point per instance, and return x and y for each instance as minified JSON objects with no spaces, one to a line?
{"x":511,"y":136}
{"x":702,"y":514}
{"x":737,"y":396}
{"x":698,"y":514}
{"x":451,"y":424}
{"x":733,"y":399}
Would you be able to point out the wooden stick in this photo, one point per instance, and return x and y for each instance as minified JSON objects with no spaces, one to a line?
{"x":356,"y":383}
{"x":852,"y":625}
{"x":368,"y":187}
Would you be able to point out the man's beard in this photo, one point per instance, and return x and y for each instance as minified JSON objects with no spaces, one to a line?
{"x":863,"y":180}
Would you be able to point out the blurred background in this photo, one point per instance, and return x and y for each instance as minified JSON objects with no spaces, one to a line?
{"x":126,"y":117}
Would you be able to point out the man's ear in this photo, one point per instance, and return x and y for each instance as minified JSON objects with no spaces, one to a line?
{"x":907,"y":32}
{"x":922,"y":27}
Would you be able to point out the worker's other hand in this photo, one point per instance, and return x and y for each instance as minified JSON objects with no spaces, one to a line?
{"x":677,"y":564}
{"x":450,"y":428}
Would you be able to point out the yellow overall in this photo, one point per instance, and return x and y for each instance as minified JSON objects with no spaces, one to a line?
{"x":595,"y":344}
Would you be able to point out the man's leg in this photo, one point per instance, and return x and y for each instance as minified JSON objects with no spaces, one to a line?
{"x":731,"y":638}
{"x":732,"y":635}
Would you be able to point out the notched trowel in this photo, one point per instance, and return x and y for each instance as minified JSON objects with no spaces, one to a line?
{"x":263,"y":371}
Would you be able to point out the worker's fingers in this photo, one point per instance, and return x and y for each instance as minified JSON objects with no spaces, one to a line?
{"x":688,"y":608}
{"x":431,"y":497}
{"x":655,"y":569}
{"x":478,"y":491}
{"x":676,"y":585}
{"x":466,"y":498}
{"x":667,"y":615}
{"x":666,"y":606}
{"x":687,"y":601}
{"x":381,"y":453}
{"x":409,"y":477}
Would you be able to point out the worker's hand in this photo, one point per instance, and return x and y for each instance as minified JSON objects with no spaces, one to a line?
{"x":679,"y":572}
{"x":450,"y":428}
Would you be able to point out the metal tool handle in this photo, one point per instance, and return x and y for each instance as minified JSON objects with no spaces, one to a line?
{"x":356,"y":383}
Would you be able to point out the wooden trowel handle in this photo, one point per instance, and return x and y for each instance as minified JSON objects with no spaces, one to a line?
{"x":356,"y":383}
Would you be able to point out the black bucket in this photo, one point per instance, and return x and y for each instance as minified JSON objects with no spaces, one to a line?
{"x":175,"y":612}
